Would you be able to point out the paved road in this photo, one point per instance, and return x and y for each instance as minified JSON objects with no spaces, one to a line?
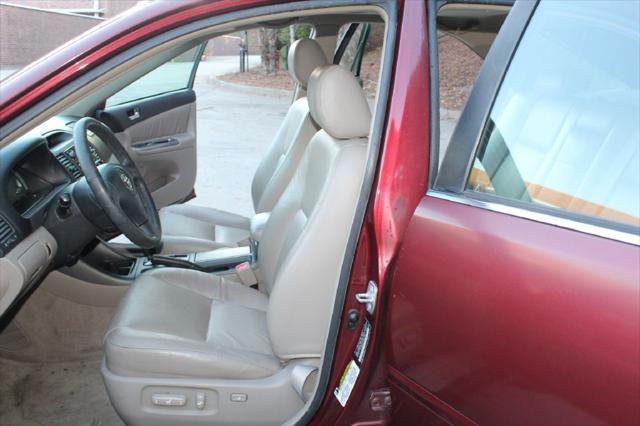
{"x":219,"y":65}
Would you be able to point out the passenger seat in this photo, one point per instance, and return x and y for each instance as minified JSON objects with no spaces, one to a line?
{"x":187,"y":228}
{"x":194,"y":335}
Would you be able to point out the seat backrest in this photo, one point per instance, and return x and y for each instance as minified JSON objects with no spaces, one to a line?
{"x":303,"y":244}
{"x":283,"y":155}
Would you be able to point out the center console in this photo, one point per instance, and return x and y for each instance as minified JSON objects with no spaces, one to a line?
{"x":127,"y":262}
{"x":209,"y":261}
{"x":220,"y":260}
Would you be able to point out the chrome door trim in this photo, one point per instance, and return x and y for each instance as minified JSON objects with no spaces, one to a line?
{"x":549,"y":219}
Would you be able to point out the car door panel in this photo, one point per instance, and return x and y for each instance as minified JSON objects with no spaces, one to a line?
{"x":514,"y":312}
{"x":119,"y":117}
{"x":512,"y":319}
{"x":160,"y":134}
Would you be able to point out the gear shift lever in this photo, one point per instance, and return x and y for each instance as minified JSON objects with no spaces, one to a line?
{"x":174,"y":262}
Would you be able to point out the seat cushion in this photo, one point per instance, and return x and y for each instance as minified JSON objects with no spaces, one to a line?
{"x":187,"y":229}
{"x":183,"y":323}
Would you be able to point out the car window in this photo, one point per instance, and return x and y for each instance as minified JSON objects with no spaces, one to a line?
{"x":355,"y":36}
{"x":173,"y":75}
{"x":564,"y":130}
{"x":465,"y":33}
{"x":458,"y":69}
{"x":360,"y":50}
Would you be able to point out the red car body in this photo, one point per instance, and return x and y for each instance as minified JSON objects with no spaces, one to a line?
{"x":483,"y":317}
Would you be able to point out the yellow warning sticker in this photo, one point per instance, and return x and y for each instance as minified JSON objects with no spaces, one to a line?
{"x":347,"y":382}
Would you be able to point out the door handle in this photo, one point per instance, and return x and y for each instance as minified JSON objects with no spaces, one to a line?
{"x":133,"y":113}
{"x":156,"y":143}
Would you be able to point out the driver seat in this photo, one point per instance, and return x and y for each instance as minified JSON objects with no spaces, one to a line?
{"x":186,"y":347}
{"x":187,"y":228}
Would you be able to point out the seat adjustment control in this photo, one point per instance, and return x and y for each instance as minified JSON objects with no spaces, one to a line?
{"x":238,"y":397}
{"x":168,"y":399}
{"x":201,"y":400}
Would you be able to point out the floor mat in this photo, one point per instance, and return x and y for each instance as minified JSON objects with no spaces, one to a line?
{"x":57,"y":393}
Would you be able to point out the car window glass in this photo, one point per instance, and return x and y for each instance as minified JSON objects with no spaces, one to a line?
{"x":362,"y":53}
{"x":350,"y":51}
{"x":564,"y":130}
{"x":244,"y":91}
{"x":458,"y":69}
{"x":263,"y":57}
{"x":173,"y":75}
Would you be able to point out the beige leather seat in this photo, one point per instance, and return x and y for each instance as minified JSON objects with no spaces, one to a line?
{"x":188,"y":228}
{"x":192,"y":335}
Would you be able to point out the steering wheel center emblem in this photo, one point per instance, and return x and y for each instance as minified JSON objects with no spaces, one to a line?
{"x":128,"y":183}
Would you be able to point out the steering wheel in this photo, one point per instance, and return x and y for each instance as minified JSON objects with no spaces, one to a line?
{"x":119,"y":189}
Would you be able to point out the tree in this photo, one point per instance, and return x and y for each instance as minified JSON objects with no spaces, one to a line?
{"x":267,"y":39}
{"x":292,"y":34}
{"x":274,"y":45}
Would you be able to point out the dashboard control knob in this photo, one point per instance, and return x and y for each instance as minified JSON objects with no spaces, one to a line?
{"x":64,"y":201}
{"x":64,"y":204}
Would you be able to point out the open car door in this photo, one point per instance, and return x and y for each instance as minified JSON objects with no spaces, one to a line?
{"x":155,"y":120}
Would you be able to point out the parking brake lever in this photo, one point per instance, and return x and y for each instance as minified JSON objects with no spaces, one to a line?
{"x":157,"y":260}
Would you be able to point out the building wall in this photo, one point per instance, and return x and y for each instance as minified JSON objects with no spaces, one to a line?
{"x":116,"y":7}
{"x":111,"y":7}
{"x":26,"y":34}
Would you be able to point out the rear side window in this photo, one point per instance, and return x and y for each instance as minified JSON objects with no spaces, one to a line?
{"x":564,"y":130}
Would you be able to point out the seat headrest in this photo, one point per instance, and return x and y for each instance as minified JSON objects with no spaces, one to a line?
{"x":337,"y":103}
{"x":305,"y":55}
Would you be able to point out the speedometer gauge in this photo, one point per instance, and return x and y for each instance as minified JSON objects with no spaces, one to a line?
{"x":17,"y":188}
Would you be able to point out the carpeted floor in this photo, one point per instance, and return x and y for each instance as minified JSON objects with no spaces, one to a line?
{"x":59,"y":393}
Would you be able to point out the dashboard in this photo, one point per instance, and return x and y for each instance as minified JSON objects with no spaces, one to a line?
{"x":34,"y":170}
{"x":27,"y":185}
{"x":39,"y":230}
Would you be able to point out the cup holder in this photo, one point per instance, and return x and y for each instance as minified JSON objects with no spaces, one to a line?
{"x":122,"y":268}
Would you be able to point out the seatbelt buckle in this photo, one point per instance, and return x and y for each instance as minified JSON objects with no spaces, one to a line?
{"x":245,"y":242}
{"x":245,"y":273}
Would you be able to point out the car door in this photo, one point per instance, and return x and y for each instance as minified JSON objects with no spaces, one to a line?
{"x":515,"y":298}
{"x":155,"y":120}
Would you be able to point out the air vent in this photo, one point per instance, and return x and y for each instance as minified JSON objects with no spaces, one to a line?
{"x":8,"y":236}
{"x":69,"y":165}
{"x":56,"y":138}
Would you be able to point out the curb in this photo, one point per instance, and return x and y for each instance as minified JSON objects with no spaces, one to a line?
{"x":254,"y":90}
